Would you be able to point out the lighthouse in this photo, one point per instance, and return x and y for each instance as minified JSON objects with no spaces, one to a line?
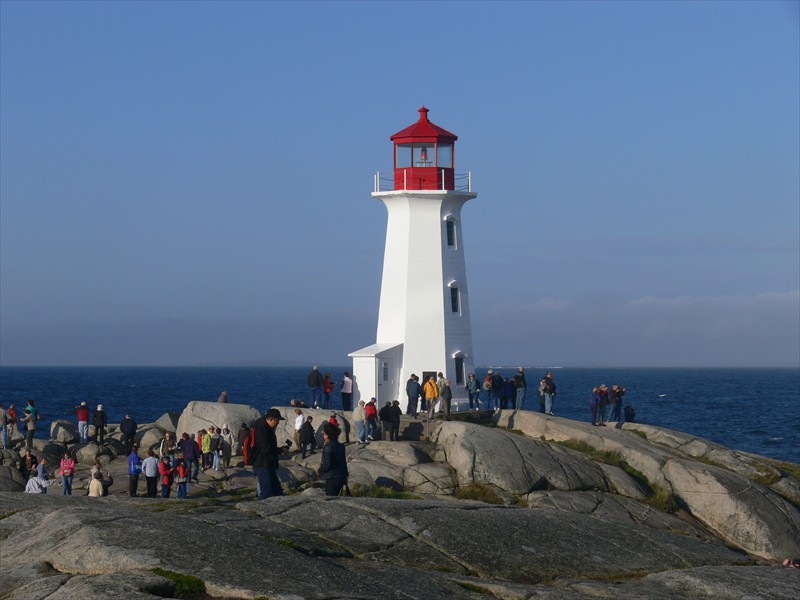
{"x":423,"y":319}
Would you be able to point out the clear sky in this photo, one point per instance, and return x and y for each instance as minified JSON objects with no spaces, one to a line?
{"x":189,"y":182}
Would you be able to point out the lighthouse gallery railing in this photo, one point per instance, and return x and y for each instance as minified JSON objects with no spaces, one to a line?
{"x":385,"y":182}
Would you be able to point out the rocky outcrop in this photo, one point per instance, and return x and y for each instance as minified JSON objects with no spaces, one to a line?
{"x":744,"y":513}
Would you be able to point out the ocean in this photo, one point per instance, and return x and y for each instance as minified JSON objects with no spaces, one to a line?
{"x":755,"y":410}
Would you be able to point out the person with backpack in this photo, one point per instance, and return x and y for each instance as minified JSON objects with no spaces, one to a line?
{"x":333,"y":470}
{"x":431,"y":392}
{"x":265,"y":454}
{"x":549,"y":392}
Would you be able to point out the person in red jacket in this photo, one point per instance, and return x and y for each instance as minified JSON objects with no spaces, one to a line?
{"x":82,"y":411}
{"x":165,"y":470}
{"x":371,"y":409}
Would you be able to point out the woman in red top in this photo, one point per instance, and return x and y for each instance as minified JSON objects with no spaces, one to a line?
{"x":327,"y":387}
{"x":181,"y":479}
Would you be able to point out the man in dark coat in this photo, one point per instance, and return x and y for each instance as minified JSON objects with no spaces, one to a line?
{"x":128,"y":428}
{"x":333,"y":470}
{"x":100,"y":424}
{"x":413,"y":391}
{"x":265,"y":455}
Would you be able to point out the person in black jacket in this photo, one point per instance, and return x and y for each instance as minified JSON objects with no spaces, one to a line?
{"x":265,"y":455}
{"x":413,"y":391}
{"x":128,"y":428}
{"x":100,"y":424}
{"x":334,"y":461}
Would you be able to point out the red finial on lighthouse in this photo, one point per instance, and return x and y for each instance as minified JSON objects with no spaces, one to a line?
{"x":423,"y":113}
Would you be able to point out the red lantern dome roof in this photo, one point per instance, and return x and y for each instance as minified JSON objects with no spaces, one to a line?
{"x":423,"y":131}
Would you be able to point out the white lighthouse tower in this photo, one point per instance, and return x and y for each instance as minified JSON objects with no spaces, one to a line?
{"x":423,"y":321}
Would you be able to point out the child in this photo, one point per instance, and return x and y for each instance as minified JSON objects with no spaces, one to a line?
{"x":165,"y":470}
{"x":182,"y":479}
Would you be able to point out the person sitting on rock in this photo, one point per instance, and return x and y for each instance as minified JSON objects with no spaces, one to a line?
{"x":37,"y":485}
{"x":28,"y":464}
{"x":96,"y":485}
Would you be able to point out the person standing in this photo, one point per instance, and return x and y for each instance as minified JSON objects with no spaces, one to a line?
{"x":308,"y":436}
{"x":4,"y":423}
{"x":497,"y":389}
{"x":346,"y":388}
{"x":191,"y":455}
{"x":128,"y":428}
{"x":594,"y":400}
{"x":82,"y":412}
{"x":150,"y":471}
{"x":431,"y":392}
{"x":168,"y":447}
{"x":100,"y":424}
{"x":299,"y":419}
{"x":265,"y":455}
{"x":328,"y":385}
{"x":333,"y":470}
{"x":30,"y":426}
{"x":134,"y":470}
{"x":227,"y":445}
{"x":244,"y":431}
{"x":474,"y":391}
{"x":549,"y":393}
{"x":447,"y":398}
{"x":396,"y":412}
{"x":385,"y":418}
{"x":521,"y":387}
{"x":11,"y":417}
{"x":413,"y":390}
{"x":615,"y":397}
{"x":67,"y":471}
{"x":488,"y":383}
{"x":315,"y":380}
{"x":360,"y":420}
{"x":165,"y":470}
{"x":216,"y":448}
{"x":603,"y":403}
{"x":371,"y":409}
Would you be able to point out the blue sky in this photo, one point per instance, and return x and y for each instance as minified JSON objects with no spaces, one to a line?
{"x":184,"y":183}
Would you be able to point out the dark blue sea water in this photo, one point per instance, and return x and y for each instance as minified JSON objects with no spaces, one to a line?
{"x":756,"y":410}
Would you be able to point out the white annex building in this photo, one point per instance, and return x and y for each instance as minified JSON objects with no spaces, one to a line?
{"x":423,"y":320}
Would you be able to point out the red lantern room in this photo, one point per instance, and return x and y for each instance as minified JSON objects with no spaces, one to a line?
{"x":424,"y":156}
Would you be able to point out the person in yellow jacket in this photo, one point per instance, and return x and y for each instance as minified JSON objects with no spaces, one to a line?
{"x":431,"y":392}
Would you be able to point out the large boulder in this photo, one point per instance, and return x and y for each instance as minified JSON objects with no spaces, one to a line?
{"x":202,"y":415}
{"x":169,"y":421}
{"x":519,"y":464}
{"x":10,"y":478}
{"x":86,"y":454}
{"x":64,"y":431}
{"x":149,"y":438}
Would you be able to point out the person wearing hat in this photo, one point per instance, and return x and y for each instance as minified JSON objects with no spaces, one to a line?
{"x":100,"y":423}
{"x":265,"y":455}
{"x":82,"y":411}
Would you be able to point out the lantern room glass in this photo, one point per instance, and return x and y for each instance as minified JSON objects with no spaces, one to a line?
{"x":444,"y":158}
{"x":403,"y":156}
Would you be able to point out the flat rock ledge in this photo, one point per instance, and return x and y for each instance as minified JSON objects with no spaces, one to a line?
{"x":310,"y":547}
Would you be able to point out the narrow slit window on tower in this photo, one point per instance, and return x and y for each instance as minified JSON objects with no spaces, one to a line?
{"x":451,"y":232}
{"x":455,"y":300}
{"x":459,"y":371}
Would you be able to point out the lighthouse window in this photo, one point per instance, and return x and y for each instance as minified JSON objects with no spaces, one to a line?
{"x":455,"y":300}
{"x":403,"y":158}
{"x":445,"y":156}
{"x":451,"y":233}
{"x":459,"y":371}
{"x":423,"y":155}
